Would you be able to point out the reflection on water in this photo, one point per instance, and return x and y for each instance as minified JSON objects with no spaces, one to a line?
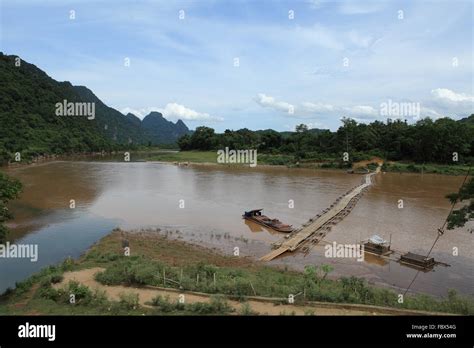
{"x":254,"y":227}
{"x":375,"y":260}
{"x":56,"y":241}
{"x":146,"y":194}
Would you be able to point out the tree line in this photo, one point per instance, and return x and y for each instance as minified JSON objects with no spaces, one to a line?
{"x":427,"y":141}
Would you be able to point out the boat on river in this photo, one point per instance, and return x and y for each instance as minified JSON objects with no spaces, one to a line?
{"x":275,"y":224}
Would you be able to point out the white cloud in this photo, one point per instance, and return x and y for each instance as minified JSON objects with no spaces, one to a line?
{"x":317,"y":107}
{"x":447,"y":95}
{"x":173,"y":111}
{"x":427,"y":112}
{"x":451,"y":103}
{"x":140,"y":113}
{"x":309,"y":109}
{"x":178,"y":111}
{"x":268,"y":101}
{"x":362,"y":111}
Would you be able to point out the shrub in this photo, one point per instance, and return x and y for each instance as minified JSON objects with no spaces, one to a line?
{"x":220,"y":305}
{"x":108,"y":278}
{"x":413,"y":168}
{"x":56,"y":278}
{"x":129,"y":300}
{"x":163,"y":303}
{"x":48,"y":292}
{"x":217,"y":305}
{"x":24,"y":286}
{"x":132,"y":271}
{"x":245,"y":309}
{"x":67,"y":264}
{"x":82,"y":293}
{"x":99,"y":298}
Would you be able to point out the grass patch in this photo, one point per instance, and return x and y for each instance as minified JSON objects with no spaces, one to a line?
{"x":246,"y":309}
{"x":186,"y":156}
{"x":309,"y":161}
{"x":400,"y":167}
{"x":216,"y":306}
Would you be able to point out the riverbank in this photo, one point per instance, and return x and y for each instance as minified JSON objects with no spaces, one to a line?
{"x":47,"y":158}
{"x":210,"y":157}
{"x":400,"y":167}
{"x":163,"y":155}
{"x":159,"y":270}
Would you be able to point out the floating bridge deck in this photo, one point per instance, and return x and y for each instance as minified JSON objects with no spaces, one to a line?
{"x":315,"y":224}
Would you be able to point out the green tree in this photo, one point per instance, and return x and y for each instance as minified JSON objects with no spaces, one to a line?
{"x":301,"y":128}
{"x":9,"y":189}
{"x":459,"y":217}
{"x":184,"y":142}
{"x":270,"y":140}
{"x":204,"y":139}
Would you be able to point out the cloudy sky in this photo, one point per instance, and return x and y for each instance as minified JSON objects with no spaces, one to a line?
{"x":255,"y":64}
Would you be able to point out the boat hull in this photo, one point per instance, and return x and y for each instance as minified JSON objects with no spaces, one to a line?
{"x":288,"y":229}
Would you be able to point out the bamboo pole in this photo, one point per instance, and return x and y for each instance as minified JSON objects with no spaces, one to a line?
{"x":254,"y":292}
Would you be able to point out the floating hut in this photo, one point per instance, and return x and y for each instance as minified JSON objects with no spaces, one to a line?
{"x":377,"y":245}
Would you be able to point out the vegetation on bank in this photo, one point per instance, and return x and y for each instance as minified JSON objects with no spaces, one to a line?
{"x":317,"y":162}
{"x":430,"y":168}
{"x":311,"y":285}
{"x":426,"y":141}
{"x":465,"y":196}
{"x":158,"y":261}
{"x":10,"y":188}
{"x":186,"y":156}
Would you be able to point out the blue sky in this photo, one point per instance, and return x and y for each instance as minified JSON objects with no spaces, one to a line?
{"x":333,"y":59}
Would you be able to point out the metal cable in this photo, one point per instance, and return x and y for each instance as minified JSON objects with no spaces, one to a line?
{"x":441,"y":229}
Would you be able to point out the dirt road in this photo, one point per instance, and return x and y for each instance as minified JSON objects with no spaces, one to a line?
{"x":261,"y":306}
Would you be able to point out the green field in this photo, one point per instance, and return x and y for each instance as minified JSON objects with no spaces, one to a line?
{"x":399,"y":167}
{"x":186,"y":156}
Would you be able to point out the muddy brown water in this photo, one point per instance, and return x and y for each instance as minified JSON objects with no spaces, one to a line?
{"x":203,"y":204}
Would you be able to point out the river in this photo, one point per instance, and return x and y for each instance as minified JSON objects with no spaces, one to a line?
{"x":203,"y":204}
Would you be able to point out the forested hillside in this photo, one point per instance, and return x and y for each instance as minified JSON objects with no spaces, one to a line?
{"x":29,"y":123}
{"x":27,"y":114}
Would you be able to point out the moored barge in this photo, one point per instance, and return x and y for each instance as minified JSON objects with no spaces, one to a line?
{"x":275,"y":224}
{"x":419,"y":261}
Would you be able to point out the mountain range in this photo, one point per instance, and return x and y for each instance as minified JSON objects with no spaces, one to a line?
{"x":30,"y":123}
